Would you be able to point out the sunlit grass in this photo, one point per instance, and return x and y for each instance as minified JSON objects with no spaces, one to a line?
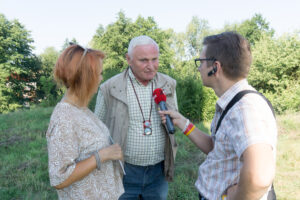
{"x":24,"y":167}
{"x":287,"y":180}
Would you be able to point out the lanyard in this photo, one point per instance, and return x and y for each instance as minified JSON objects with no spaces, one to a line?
{"x":137,"y":98}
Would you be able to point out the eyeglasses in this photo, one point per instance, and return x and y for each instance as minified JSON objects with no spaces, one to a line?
{"x":199,"y":60}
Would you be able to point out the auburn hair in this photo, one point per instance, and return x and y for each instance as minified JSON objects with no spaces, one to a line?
{"x":78,"y":69}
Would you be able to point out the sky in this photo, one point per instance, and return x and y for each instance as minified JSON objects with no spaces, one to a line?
{"x":51,"y":22}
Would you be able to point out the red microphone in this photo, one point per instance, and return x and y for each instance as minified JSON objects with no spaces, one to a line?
{"x":160,"y":99}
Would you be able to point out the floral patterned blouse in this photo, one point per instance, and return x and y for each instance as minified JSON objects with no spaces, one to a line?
{"x":73,"y":135}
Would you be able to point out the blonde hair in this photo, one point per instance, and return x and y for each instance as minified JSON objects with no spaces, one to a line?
{"x":78,"y":69}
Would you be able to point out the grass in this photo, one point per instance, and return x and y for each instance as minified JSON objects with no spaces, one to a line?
{"x":287,"y":180}
{"x":23,"y":150}
{"x":188,"y":159}
{"x":24,"y":167}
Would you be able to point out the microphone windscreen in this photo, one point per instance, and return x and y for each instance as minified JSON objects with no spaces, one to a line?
{"x":159,"y":95}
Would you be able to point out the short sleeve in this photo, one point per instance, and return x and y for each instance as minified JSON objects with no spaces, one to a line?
{"x":63,"y":150}
{"x":254,"y":124}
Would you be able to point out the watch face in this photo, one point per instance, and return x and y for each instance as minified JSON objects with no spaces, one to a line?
{"x":147,"y":127}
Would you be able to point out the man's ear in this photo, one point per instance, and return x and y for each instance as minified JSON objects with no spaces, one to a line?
{"x":219,"y":68}
{"x":217,"y":64}
{"x":128,"y":59}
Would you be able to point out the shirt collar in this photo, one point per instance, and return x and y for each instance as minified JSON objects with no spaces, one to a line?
{"x":131,"y":75}
{"x":223,"y":101}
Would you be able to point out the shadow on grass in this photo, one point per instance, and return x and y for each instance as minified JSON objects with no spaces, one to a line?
{"x":188,"y":160}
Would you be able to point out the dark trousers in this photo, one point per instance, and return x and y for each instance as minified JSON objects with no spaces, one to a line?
{"x":147,"y":183}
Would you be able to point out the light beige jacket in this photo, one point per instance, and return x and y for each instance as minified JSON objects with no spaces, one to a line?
{"x":117,"y":117}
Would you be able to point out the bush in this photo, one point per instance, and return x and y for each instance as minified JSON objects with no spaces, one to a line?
{"x":194,"y":101}
{"x":52,"y":94}
{"x":276,"y":71}
{"x":285,"y":100}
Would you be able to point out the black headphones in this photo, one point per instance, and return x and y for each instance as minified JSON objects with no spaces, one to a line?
{"x":213,"y":71}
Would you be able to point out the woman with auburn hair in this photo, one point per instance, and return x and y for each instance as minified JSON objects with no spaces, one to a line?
{"x":81,"y":156}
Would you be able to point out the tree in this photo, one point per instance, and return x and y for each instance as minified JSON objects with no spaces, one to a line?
{"x":178,"y":44}
{"x":114,"y":40}
{"x":197,"y":29}
{"x":67,"y":43}
{"x":252,"y":29}
{"x":48,"y":90}
{"x":48,"y":59}
{"x":19,"y":67}
{"x":276,"y":70}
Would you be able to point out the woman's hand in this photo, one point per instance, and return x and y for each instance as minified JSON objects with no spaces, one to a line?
{"x":112,"y":152}
{"x":84,"y":167}
{"x":177,"y":118}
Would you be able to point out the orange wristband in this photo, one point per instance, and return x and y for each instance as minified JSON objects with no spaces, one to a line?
{"x":189,"y":129}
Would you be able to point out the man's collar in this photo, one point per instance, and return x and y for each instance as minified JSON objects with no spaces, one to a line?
{"x":132,"y":76}
{"x":231,"y":92}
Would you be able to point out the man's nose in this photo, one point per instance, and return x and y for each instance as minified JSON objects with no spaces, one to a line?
{"x":151,"y":64}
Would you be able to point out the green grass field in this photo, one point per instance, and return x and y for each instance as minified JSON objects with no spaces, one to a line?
{"x":24,"y":172}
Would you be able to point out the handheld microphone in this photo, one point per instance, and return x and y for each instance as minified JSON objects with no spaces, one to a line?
{"x":160,"y":99}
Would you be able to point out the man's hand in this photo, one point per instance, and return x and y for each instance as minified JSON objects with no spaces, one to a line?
{"x":112,"y":152}
{"x":231,"y":192}
{"x":177,"y":119}
{"x":256,"y":174}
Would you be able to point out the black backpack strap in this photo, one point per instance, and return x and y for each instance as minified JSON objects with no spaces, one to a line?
{"x":235,"y":99}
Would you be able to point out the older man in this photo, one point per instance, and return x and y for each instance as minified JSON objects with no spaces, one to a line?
{"x":126,"y":106}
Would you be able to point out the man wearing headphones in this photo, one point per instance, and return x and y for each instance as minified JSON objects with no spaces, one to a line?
{"x":241,"y":149}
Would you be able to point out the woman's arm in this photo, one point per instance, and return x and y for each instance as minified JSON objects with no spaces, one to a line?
{"x":84,"y":167}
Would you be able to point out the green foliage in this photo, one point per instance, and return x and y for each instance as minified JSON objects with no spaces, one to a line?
{"x":276,"y":70}
{"x":286,"y":99}
{"x":48,"y":58}
{"x":189,"y":44}
{"x":178,"y":44}
{"x":115,"y":38}
{"x":49,"y":92}
{"x":18,"y":66}
{"x":194,"y":100}
{"x":252,"y":29}
{"x":197,"y":29}
{"x":67,"y":43}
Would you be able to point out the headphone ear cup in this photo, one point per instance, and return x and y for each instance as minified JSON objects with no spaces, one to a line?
{"x":213,"y":71}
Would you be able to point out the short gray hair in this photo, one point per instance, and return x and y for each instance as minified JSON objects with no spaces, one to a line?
{"x":140,"y":40}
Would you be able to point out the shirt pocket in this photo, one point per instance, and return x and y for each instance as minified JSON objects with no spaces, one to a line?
{"x":223,"y":148}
